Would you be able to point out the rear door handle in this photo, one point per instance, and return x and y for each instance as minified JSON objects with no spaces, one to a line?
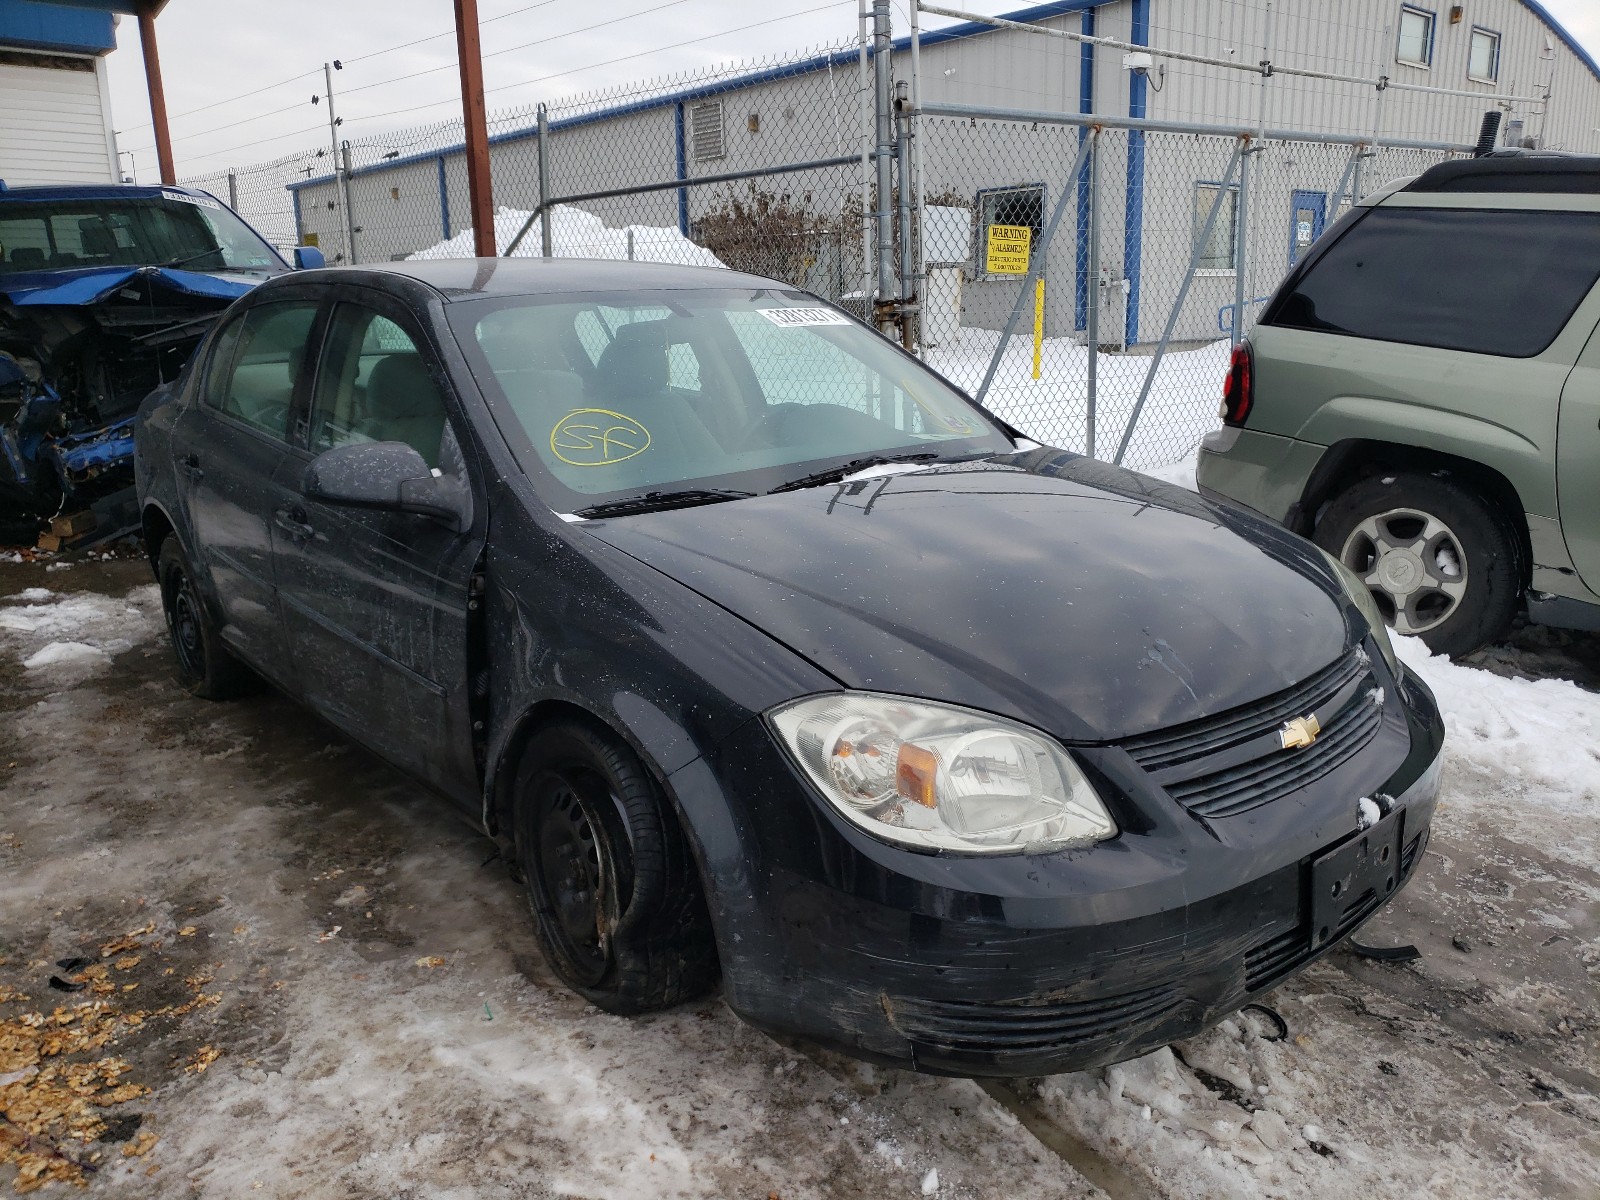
{"x":294,"y":523}
{"x":191,"y":466}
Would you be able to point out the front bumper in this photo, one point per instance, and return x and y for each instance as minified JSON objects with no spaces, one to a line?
{"x":1036,"y":965}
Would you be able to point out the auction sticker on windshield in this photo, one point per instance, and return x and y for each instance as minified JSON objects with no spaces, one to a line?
{"x":197,"y":201}
{"x":794,"y":317}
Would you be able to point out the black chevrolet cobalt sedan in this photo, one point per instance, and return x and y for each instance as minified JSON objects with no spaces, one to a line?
{"x":767,"y":654}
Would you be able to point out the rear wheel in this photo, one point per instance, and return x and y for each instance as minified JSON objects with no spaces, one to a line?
{"x":204,"y":664}
{"x":616,"y":898}
{"x":1437,"y":557}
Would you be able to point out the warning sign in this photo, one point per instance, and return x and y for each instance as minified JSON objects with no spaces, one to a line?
{"x":1007,"y":250}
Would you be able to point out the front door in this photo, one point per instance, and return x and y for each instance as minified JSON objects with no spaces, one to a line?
{"x":1578,"y":464}
{"x":228,"y":447}
{"x":1308,"y":212}
{"x":375,"y":604}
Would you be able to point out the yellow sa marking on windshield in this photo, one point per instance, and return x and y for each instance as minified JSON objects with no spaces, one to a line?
{"x":597,"y":437}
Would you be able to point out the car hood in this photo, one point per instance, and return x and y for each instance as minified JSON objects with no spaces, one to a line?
{"x":91,"y":285}
{"x":1078,"y":597}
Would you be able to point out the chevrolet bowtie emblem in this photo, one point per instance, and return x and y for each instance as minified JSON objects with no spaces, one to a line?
{"x":1300,"y":732}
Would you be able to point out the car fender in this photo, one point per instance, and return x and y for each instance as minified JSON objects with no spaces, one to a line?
{"x":1522,"y":462}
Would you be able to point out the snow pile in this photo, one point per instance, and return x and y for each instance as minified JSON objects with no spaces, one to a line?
{"x":77,"y":632}
{"x":575,"y":233}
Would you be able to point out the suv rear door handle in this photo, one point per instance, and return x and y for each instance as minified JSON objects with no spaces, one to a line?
{"x":294,"y":523}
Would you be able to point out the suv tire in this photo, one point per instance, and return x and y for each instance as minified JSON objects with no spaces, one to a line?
{"x":615,"y":893}
{"x":1439,"y":559}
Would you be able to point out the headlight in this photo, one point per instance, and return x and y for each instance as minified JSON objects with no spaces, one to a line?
{"x":941,"y":778}
{"x":1362,"y":598}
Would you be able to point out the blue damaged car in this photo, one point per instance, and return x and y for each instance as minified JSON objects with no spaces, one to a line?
{"x":105,"y":290}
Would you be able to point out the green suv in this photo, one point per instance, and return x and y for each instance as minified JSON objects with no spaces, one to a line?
{"x":1422,"y":398}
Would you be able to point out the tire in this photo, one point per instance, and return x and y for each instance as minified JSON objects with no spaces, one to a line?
{"x":205,"y":666}
{"x":615,"y":894}
{"x":1440,"y":560}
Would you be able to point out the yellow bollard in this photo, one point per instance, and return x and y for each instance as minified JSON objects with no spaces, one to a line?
{"x":1038,"y":323}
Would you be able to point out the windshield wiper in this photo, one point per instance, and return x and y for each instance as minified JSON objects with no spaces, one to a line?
{"x":835,"y":474}
{"x":185,"y":261}
{"x":657,"y":501}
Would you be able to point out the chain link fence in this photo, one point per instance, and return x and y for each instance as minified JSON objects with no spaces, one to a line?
{"x":1083,"y":276}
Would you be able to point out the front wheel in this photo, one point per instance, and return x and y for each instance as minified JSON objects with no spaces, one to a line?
{"x":616,"y":898}
{"x":1437,"y":557}
{"x":204,"y":664}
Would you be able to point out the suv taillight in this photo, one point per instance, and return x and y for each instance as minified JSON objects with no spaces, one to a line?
{"x":1239,"y":389}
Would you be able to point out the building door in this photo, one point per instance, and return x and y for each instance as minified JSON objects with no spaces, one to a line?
{"x":1308,"y":213}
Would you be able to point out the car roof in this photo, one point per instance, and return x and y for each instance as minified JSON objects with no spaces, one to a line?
{"x":90,"y":191}
{"x":1513,"y":171}
{"x":473,"y":278}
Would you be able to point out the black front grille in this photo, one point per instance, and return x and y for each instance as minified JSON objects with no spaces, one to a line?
{"x":1200,"y":739}
{"x":1211,"y":768}
{"x":988,"y":1028}
{"x":1230,"y":792}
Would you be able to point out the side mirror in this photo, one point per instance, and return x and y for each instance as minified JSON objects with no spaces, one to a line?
{"x":308,"y":258}
{"x":390,"y":476}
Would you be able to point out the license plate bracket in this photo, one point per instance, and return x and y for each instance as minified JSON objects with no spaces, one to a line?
{"x":1353,"y":878}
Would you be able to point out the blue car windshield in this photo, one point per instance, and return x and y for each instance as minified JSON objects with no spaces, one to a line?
{"x":604,"y":396}
{"x":169,"y":229}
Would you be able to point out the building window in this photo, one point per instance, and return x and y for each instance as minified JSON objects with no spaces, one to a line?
{"x":1416,"y":37}
{"x":705,"y":130}
{"x":1483,"y":58}
{"x":1216,"y":253}
{"x":1019,"y":206}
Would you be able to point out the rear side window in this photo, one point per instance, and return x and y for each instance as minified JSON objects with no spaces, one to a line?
{"x":257,"y":361}
{"x":1502,"y":283}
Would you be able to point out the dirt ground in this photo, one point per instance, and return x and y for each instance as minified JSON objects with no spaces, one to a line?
{"x":298,"y":976}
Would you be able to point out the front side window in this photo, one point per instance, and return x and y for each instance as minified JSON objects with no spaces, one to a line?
{"x":1502,"y":283}
{"x":374,"y":385}
{"x":256,"y":362}
{"x":1416,"y":37}
{"x":1483,"y":56}
{"x":169,"y":230}
{"x":612,"y":395}
{"x":1216,"y":250}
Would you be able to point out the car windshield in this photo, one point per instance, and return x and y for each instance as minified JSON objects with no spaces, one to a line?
{"x":607,"y":396}
{"x":171,"y":229}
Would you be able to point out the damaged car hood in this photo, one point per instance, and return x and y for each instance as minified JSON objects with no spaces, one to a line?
{"x":1075,"y":596}
{"x":95,"y":285}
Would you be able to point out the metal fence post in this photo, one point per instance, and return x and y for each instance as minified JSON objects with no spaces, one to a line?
{"x":1183,"y":294}
{"x":545,"y":248}
{"x":907,"y":264}
{"x":1241,"y":245}
{"x":1092,"y":316}
{"x":349,"y":208}
{"x":883,"y":111}
{"x":233,"y":190}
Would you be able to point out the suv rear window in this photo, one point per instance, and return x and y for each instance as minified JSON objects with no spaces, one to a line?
{"x":1501,"y":283}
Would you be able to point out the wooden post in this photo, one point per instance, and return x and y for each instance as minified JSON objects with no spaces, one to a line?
{"x":480,"y":197}
{"x":158,"y":96}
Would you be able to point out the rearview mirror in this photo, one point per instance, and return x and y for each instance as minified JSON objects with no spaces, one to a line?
{"x":390,"y":476}
{"x":308,"y":258}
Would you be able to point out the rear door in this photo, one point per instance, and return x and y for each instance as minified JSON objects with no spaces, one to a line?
{"x":1578,"y":464}
{"x":228,"y":448}
{"x":376,"y":604}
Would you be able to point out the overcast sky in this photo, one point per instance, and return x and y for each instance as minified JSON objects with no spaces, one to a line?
{"x":213,"y":54}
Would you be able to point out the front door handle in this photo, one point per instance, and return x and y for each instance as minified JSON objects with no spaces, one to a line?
{"x":294,"y":523}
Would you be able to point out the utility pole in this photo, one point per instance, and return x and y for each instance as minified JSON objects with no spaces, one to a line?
{"x":341,"y":180}
{"x":480,"y":197}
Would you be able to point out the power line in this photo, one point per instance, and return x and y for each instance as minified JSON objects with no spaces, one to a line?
{"x":433,"y":37}
{"x":219,"y":103}
{"x":524,"y":46}
{"x":805,"y":12}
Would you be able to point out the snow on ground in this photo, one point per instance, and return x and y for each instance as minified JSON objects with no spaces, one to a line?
{"x":79,"y":632}
{"x":575,"y":233}
{"x":1180,"y":409}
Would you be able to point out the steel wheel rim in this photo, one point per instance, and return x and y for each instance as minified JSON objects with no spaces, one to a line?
{"x":187,"y":639}
{"x":577,"y":878}
{"x":1412,"y":563}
